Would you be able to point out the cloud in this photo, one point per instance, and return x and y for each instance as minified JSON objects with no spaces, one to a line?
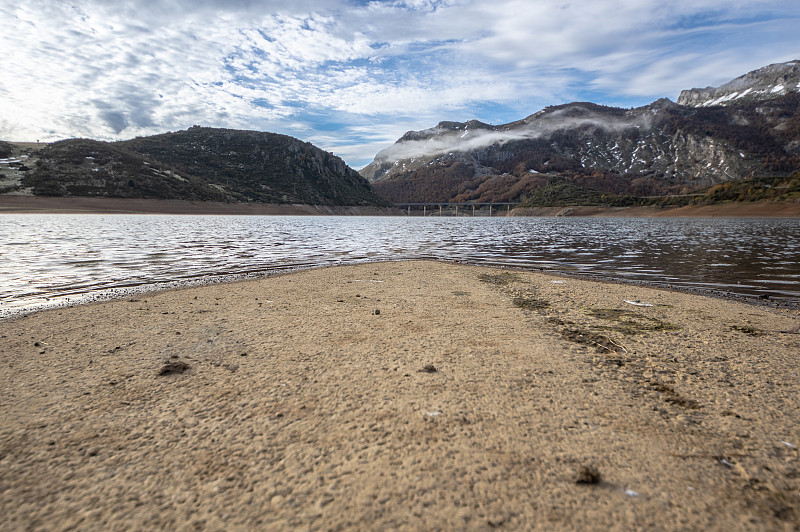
{"x":336,"y":71}
{"x":442,"y":140}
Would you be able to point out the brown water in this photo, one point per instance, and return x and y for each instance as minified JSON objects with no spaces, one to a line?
{"x":51,"y":260}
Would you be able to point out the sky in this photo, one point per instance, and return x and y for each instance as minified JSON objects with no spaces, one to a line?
{"x":353,"y":76}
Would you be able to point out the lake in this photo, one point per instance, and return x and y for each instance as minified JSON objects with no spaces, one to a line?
{"x":53,"y":260}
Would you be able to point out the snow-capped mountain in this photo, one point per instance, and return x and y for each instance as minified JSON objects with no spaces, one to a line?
{"x":660,"y":148}
{"x":762,"y":84}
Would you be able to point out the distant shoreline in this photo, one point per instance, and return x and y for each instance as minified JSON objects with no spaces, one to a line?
{"x":72,"y":205}
{"x":10,"y":204}
{"x":762,"y":209}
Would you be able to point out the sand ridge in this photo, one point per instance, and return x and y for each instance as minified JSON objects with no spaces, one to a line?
{"x":406,"y":395}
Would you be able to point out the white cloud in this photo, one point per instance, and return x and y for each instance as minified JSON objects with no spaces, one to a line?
{"x":445,"y":140}
{"x":118,"y":69}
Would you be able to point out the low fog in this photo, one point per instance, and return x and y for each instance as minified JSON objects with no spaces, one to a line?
{"x":444,"y":140}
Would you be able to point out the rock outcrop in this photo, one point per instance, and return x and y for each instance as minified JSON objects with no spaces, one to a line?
{"x":763,"y":84}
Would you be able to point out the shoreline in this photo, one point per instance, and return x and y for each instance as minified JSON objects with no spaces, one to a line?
{"x":414,"y":394}
{"x":765,"y":209}
{"x":117,"y":294}
{"x":74,"y":205}
{"x":14,"y":204}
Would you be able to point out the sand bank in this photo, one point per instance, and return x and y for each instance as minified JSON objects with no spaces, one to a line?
{"x":410,"y":395}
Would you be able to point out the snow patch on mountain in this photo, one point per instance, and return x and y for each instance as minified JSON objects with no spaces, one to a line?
{"x":765,"y":83}
{"x":417,"y":148}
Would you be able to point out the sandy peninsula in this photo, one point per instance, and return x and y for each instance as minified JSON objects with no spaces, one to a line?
{"x":406,"y":395}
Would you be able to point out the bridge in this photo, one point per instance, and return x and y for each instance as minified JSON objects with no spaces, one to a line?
{"x":452,"y":208}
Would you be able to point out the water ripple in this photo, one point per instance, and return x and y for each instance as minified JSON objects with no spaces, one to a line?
{"x":47,"y":259}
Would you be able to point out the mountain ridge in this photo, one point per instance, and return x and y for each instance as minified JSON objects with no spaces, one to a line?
{"x":660,"y":148}
{"x":197,"y":164}
{"x":767,"y":82}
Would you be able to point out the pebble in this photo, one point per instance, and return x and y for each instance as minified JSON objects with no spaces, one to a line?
{"x":588,"y":474}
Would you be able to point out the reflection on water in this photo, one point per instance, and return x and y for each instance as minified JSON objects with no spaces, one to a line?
{"x":45,"y":259}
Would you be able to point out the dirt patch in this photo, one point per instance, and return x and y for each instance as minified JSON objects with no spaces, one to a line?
{"x":671,"y":396}
{"x":631,"y":323}
{"x":749,"y":331}
{"x":530,"y":303}
{"x":174,"y":367}
{"x":601,"y":343}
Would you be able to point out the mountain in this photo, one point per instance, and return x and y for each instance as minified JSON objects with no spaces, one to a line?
{"x":662,"y":148}
{"x":762,"y":84}
{"x":199,"y":164}
{"x":90,"y":168}
{"x":261,"y":167}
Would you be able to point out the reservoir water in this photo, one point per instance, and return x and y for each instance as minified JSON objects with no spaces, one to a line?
{"x":52,"y":260}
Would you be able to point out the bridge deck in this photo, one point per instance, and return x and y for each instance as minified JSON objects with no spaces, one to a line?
{"x":455,"y":204}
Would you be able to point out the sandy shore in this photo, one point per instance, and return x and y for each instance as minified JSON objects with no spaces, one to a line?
{"x":410,"y":395}
{"x":45,"y":205}
{"x":12,"y":204}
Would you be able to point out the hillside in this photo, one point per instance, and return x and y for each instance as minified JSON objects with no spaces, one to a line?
{"x":200,"y":164}
{"x":660,"y":149}
{"x":257,"y":166}
{"x":560,"y":192}
{"x":89,"y":168}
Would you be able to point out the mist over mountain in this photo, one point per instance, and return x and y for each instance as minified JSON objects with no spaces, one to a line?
{"x":661,"y":148}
